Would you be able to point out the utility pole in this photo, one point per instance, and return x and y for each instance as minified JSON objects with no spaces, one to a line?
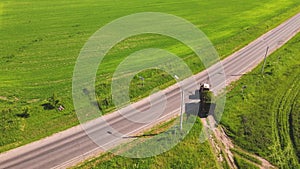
{"x":243,"y":88}
{"x":143,"y":79}
{"x":263,"y":68}
{"x":181,"y":107}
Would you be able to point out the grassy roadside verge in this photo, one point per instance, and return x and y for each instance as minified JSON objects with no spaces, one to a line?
{"x":189,"y":153}
{"x":262,"y":118}
{"x":37,"y":60}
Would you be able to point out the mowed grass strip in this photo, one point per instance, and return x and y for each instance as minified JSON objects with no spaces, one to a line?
{"x":40,"y":41}
{"x":264,"y":117}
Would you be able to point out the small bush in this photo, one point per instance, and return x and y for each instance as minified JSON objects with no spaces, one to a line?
{"x":25,"y":113}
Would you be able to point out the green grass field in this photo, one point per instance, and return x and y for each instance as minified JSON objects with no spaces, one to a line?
{"x":40,"y":41}
{"x":264,"y":119}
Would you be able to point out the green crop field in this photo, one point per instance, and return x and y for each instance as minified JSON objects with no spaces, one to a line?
{"x":243,"y":164}
{"x":264,"y":118}
{"x":40,"y":41}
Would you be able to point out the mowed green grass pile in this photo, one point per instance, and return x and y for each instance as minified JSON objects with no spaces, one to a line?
{"x":40,"y":41}
{"x":264,"y":118}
